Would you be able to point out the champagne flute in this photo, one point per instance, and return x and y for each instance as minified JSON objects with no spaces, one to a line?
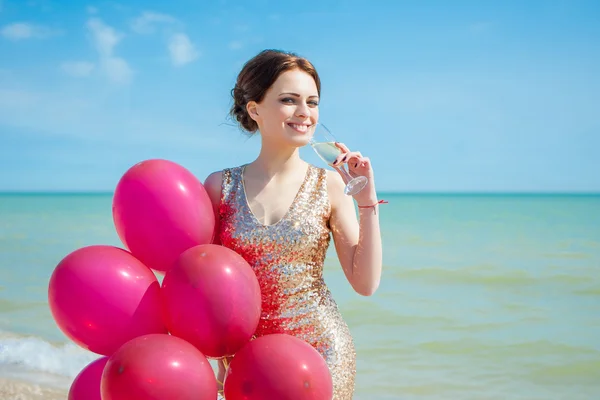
{"x":323,"y":143}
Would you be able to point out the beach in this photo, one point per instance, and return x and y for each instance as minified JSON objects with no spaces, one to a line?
{"x":482,"y":296}
{"x":19,"y":390}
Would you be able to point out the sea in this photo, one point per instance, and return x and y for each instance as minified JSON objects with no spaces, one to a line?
{"x":483,"y":296}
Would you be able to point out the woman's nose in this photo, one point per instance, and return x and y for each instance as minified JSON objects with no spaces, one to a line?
{"x":302,"y":111}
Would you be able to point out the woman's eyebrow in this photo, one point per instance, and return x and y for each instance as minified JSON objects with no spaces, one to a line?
{"x":295,"y":94}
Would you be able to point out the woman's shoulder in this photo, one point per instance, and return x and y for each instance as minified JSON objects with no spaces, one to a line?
{"x":214,"y":182}
{"x":212,"y":185}
{"x":216,"y":177}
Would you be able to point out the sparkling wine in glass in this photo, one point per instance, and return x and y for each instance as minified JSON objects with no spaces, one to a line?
{"x":323,"y":143}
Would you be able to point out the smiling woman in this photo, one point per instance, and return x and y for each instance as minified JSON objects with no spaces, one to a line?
{"x":260,"y":73}
{"x":280,"y":212}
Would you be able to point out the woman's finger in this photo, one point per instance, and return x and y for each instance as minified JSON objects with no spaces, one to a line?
{"x":339,"y":159}
{"x":353,"y":158}
{"x":345,"y":158}
{"x":342,"y":147}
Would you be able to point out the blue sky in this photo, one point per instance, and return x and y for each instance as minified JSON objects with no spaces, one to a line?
{"x":443,"y":96}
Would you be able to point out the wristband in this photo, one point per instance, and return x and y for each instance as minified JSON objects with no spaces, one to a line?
{"x":373,"y":205}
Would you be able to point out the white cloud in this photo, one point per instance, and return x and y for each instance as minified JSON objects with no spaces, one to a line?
{"x":17,"y":99}
{"x":92,"y":116}
{"x":106,"y":39}
{"x":42,"y":5}
{"x":480,"y":27}
{"x":117,"y":69}
{"x":42,"y":110}
{"x":146,"y":23}
{"x":182,"y":49}
{"x":241,"y":28}
{"x":236,"y":45}
{"x":248,"y":40}
{"x":24,"y":30}
{"x":78,"y":68}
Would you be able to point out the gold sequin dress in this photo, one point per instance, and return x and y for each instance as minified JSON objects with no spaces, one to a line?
{"x":287,"y":258}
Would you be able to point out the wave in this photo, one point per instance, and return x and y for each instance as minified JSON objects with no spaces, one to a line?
{"x":490,"y":275}
{"x":36,"y":355}
{"x":527,"y":350}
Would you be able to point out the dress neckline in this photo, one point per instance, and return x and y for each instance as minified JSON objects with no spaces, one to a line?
{"x":290,"y":208}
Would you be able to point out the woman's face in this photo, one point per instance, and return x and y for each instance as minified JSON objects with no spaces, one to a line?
{"x":289,"y":109}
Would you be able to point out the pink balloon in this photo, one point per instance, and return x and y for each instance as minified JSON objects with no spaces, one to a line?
{"x":212,"y":299}
{"x":160,"y":210}
{"x":157,"y":367}
{"x":86,"y":385}
{"x":278,"y":366}
{"x":101,"y":297}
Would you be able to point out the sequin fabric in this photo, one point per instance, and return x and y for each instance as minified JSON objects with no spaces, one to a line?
{"x":287,"y":258}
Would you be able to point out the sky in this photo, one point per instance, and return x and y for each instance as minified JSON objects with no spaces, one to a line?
{"x":460,"y":96}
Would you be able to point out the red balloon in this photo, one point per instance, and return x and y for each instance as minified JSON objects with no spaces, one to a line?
{"x":86,"y":385}
{"x":102,"y":296}
{"x":157,"y":367}
{"x":278,"y":366}
{"x":212,"y":299}
{"x":160,"y":210}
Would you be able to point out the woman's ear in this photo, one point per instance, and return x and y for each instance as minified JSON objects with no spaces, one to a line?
{"x":252,"y":108}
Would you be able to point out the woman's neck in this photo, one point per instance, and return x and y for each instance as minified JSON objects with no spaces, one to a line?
{"x":274,"y":160}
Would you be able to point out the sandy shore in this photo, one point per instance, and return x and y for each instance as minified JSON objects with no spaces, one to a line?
{"x":11,"y":389}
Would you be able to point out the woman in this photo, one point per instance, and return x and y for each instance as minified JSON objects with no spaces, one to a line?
{"x":278,"y":212}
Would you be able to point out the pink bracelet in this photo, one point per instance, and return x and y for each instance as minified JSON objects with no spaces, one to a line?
{"x":373,"y":205}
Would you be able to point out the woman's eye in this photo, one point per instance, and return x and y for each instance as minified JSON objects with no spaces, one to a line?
{"x":289,"y":100}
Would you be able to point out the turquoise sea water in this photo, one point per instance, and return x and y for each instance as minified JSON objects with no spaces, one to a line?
{"x":482,"y":297}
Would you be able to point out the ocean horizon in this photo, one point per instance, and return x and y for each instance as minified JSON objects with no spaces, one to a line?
{"x":380,"y":193}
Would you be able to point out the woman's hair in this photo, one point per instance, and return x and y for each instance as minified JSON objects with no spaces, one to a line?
{"x":257,"y":76}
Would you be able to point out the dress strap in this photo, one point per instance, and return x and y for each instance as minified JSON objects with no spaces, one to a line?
{"x":226,"y":184}
{"x":229,"y":186}
{"x":319,"y":192}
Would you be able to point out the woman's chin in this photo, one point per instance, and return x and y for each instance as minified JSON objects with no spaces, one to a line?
{"x":299,"y":141}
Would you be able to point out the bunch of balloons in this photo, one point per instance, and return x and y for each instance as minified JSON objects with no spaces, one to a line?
{"x":155,"y":340}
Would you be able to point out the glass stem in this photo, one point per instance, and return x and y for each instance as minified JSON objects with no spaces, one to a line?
{"x":346,"y":174}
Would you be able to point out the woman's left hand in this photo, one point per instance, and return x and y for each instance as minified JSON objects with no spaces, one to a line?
{"x":357,"y":166}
